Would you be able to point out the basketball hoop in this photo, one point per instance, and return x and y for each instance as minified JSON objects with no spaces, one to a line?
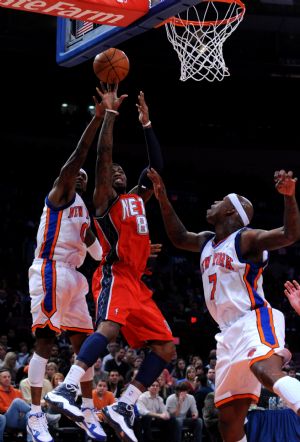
{"x":198,"y":35}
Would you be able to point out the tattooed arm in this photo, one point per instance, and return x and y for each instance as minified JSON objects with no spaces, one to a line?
{"x":104,"y":191}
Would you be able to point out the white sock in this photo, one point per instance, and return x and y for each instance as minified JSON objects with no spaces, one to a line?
{"x":289,"y":390}
{"x":74,"y":375}
{"x":87,"y":402}
{"x":36,"y":409}
{"x":244,"y":439}
{"x":36,"y":371}
{"x":130,"y":395}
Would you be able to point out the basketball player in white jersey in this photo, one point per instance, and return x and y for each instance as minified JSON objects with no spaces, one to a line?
{"x":250,"y":346}
{"x":57,"y":289}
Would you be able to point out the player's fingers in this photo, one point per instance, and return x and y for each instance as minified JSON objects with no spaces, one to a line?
{"x":289,"y":286}
{"x":296,"y":284}
{"x":287,"y":293}
{"x":99,"y":92}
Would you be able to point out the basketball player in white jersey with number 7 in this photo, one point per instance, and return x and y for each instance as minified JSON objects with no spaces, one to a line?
{"x":250,"y":345}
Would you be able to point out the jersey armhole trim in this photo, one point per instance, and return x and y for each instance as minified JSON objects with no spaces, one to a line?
{"x":57,"y":209}
{"x":239,"y":255}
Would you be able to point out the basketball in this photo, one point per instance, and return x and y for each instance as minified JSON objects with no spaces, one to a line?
{"x":111,"y":66}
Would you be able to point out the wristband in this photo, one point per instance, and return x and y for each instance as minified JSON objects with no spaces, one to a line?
{"x":113,"y":111}
{"x":147,"y":124}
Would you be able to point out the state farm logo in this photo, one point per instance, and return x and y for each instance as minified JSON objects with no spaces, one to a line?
{"x":64,"y":9}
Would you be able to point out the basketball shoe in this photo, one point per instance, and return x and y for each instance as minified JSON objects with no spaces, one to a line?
{"x":37,"y":427}
{"x":91,"y":425}
{"x":63,"y":399}
{"x":120,"y":417}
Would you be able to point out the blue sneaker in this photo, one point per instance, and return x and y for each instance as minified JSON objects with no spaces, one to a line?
{"x":91,"y":425}
{"x":120,"y":417}
{"x":63,"y":398}
{"x":37,"y":427}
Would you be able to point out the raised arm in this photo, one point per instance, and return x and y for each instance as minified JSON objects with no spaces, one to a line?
{"x":254,"y":242}
{"x":64,"y":186}
{"x":104,"y":191}
{"x":176,"y":231}
{"x":155,"y":159}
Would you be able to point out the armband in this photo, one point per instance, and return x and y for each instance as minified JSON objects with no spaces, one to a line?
{"x":112,"y":111}
{"x":95,"y":250}
{"x":147,"y":124}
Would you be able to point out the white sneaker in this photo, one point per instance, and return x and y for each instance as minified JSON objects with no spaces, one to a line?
{"x":63,"y":399}
{"x":37,"y":427}
{"x":120,"y":417}
{"x":91,"y":425}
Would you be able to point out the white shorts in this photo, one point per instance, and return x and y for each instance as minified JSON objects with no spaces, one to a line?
{"x":57,"y":292}
{"x":255,"y":336}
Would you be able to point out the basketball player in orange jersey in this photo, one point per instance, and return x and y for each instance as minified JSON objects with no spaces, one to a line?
{"x":122,"y":300}
{"x":250,"y":346}
{"x":57,"y":289}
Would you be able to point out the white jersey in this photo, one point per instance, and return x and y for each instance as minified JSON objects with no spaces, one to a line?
{"x":62,"y":232}
{"x":232,"y":286}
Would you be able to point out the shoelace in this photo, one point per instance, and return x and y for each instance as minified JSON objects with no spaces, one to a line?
{"x":127,"y":411}
{"x":69,"y":391}
{"x":38,"y":422}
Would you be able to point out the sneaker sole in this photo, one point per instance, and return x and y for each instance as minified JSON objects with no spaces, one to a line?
{"x":84,"y":428}
{"x":117,"y":428}
{"x":59,"y":406}
{"x":28,"y":429}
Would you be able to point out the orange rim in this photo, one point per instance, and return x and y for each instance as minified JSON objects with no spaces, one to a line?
{"x":180,"y":22}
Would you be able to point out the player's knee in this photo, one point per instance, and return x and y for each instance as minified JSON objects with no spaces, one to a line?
{"x":166,"y":350}
{"x":109,"y":329}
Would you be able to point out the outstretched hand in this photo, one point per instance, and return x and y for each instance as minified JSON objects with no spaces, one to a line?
{"x":292,"y":292}
{"x":108,"y":94}
{"x":143,"y":109}
{"x":154,"y":250}
{"x":158,"y":184}
{"x":284,"y":182}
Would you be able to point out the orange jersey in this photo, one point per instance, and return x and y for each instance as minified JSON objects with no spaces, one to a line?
{"x":123,"y":233}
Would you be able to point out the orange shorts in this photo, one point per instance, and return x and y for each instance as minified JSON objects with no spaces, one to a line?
{"x":120,"y":296}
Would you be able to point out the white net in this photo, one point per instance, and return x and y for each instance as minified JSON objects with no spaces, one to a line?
{"x":198,"y":35}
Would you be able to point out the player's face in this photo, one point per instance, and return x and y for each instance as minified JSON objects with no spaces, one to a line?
{"x":81,"y":183}
{"x":119,"y":180}
{"x":216,"y":210}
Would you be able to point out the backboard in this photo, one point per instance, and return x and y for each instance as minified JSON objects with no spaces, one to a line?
{"x":79,"y":41}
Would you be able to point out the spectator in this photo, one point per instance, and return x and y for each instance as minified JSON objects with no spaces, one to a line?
{"x":99,"y":373}
{"x":2,"y":353}
{"x":190,"y":378}
{"x":115,"y":384}
{"x":118,"y":364}
{"x":180,"y":405}
{"x":10,"y":364}
{"x":201,"y":391}
{"x":51,"y":369}
{"x":113,"y":348}
{"x":12,"y":405}
{"x":179,"y":369}
{"x":23,"y":354}
{"x":102,"y":397}
{"x":26,"y":393}
{"x":154,"y":414}
{"x":211,"y":378}
{"x":57,"y":378}
{"x":164,"y":389}
{"x":211,"y":418}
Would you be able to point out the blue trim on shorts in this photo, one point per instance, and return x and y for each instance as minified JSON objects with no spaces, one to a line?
{"x":103,"y":299}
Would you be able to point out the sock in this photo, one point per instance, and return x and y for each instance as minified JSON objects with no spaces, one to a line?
{"x":244,"y":439}
{"x":150,"y":369}
{"x":36,"y":371}
{"x":94,"y":347}
{"x":74,"y":375}
{"x":289,"y":390}
{"x":131,"y":395}
{"x":87,"y":402}
{"x":36,"y":409}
